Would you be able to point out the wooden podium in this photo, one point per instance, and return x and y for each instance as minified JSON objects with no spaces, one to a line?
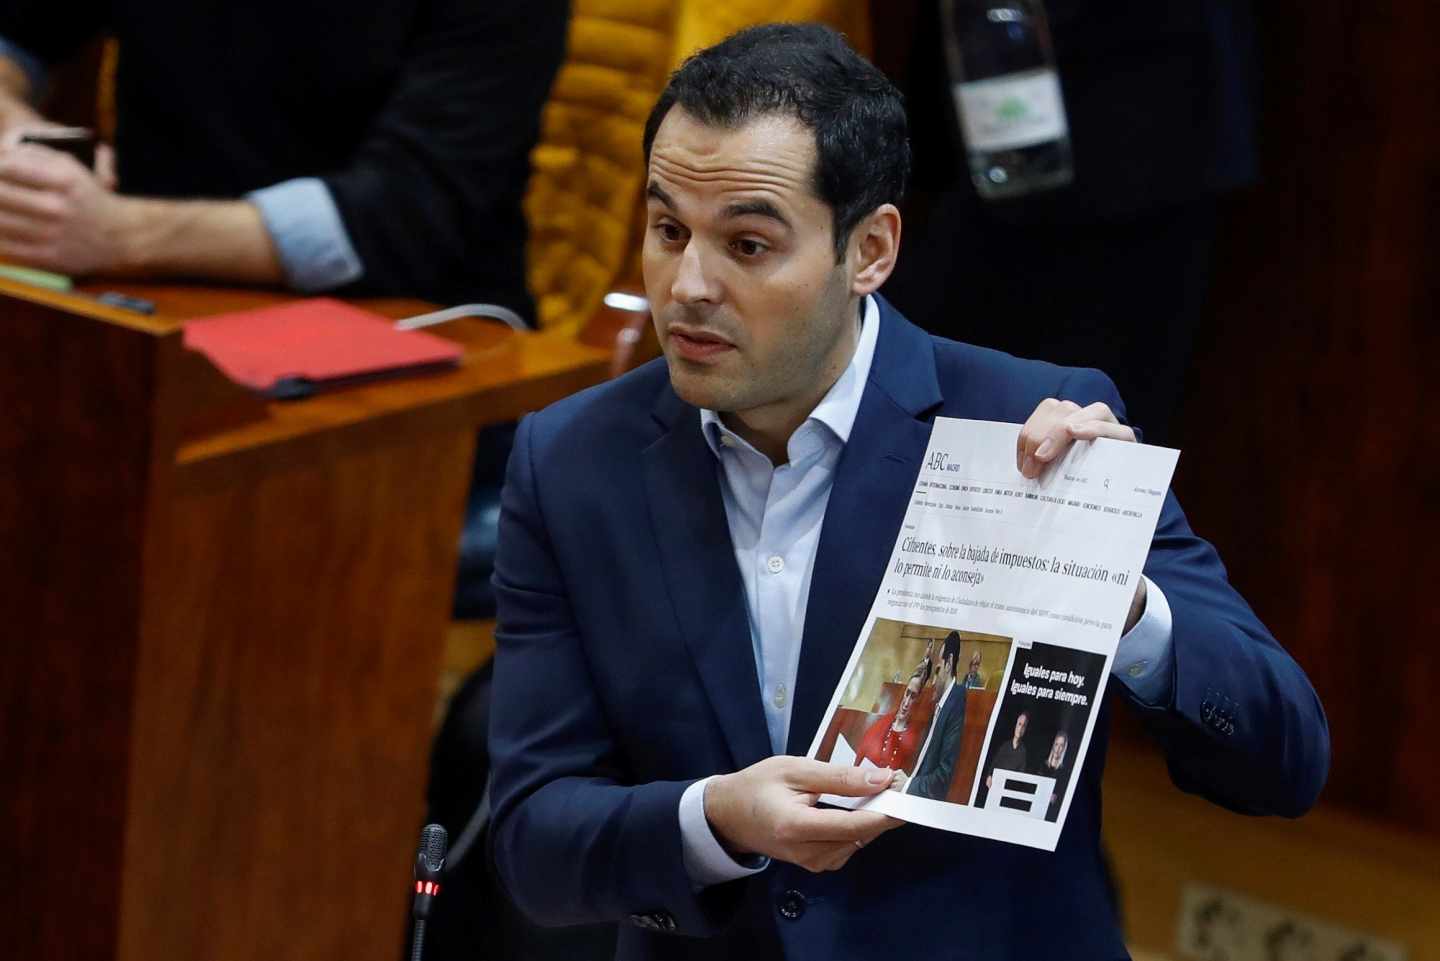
{"x":223,"y":621}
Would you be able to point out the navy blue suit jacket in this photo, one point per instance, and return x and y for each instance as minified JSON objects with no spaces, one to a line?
{"x":625,"y":672}
{"x":932,"y":777}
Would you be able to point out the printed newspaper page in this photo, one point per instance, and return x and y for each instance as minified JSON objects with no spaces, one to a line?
{"x":1024,"y":586}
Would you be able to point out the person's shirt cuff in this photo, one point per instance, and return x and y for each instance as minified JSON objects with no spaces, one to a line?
{"x":309,"y":236}
{"x":33,"y":66}
{"x":706,"y":861}
{"x":1145,"y":658}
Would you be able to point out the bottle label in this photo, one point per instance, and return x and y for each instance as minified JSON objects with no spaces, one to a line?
{"x":1016,"y":110}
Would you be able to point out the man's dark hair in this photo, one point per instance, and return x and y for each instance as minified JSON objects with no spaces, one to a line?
{"x":808,"y":72}
{"x":951,"y":651}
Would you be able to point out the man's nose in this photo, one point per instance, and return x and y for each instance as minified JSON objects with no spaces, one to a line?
{"x":694,"y":283}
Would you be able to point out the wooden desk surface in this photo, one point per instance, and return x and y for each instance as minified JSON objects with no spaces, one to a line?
{"x":502,"y":375}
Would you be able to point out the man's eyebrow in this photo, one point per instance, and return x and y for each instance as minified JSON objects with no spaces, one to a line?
{"x":742,"y":208}
{"x":756,"y":208}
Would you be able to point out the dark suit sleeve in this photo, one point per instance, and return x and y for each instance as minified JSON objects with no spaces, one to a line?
{"x":1244,"y":727}
{"x":573,"y":841}
{"x":431,"y":198}
{"x":934,"y":782}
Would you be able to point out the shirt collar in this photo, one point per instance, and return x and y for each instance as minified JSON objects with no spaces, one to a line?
{"x":840,"y":405}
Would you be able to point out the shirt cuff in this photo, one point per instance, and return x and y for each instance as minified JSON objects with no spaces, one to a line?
{"x":33,"y":66}
{"x":1145,"y":658}
{"x":706,"y":861}
{"x":309,"y":236}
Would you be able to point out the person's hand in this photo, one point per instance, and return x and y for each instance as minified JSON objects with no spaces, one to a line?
{"x":898,"y":782}
{"x":769,"y":808}
{"x":56,"y":215}
{"x":12,"y":132}
{"x":1055,"y":425}
{"x":1048,"y":434}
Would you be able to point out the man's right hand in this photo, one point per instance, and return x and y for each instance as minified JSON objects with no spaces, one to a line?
{"x":769,"y":808}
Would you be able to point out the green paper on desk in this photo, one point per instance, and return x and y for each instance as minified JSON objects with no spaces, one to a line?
{"x":39,"y":278}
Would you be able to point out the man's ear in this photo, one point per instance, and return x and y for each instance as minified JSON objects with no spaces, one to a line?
{"x":874,"y":245}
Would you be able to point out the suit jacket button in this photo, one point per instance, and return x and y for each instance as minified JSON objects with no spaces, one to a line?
{"x":792,"y":905}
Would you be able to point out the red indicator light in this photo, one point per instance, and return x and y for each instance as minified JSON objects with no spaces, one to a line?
{"x":429,"y":887}
{"x":437,"y":889}
{"x":418,"y":887}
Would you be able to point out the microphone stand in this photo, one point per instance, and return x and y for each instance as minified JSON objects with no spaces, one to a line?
{"x":429,"y":865}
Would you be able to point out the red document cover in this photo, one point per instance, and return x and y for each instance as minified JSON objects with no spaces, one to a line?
{"x":293,"y":349}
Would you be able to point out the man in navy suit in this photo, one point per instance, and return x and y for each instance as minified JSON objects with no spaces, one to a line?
{"x":937,"y":762}
{"x":688,"y":553}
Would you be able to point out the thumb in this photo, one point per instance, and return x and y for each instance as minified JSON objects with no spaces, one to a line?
{"x":822,"y":778}
{"x":105,"y":166}
{"x":27,"y":123}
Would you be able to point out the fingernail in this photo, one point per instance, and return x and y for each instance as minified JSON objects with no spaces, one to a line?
{"x":1046,"y":446}
{"x":879,"y":776}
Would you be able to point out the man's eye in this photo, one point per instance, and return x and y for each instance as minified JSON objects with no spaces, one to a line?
{"x":670,"y":233}
{"x":748,"y":248}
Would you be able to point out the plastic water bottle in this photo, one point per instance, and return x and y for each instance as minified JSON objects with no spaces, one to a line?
{"x":1007,"y":93}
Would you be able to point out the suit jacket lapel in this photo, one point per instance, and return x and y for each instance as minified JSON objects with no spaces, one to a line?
{"x":873,"y":482}
{"x":698,"y":569}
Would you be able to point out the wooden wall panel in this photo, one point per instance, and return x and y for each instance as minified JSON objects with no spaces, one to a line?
{"x":1312,"y":458}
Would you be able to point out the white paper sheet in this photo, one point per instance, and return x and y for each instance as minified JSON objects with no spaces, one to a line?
{"x":1036,"y":578}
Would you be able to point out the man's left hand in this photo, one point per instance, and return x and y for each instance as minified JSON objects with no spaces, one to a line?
{"x":56,"y":215}
{"x":1048,"y":434}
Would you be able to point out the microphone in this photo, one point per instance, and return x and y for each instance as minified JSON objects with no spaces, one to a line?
{"x":429,"y":864}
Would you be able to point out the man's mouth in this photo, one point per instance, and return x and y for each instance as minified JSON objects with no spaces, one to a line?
{"x":698,"y":345}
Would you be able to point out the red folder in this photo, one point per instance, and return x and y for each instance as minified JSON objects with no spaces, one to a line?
{"x":294,"y":349}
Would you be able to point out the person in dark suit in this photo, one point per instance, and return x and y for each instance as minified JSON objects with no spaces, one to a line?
{"x":1010,"y":754}
{"x":688,"y":553}
{"x":375,"y":150}
{"x":937,"y":763}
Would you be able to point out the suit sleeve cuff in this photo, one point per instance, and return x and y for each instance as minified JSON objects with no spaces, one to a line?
{"x":1145,"y":658}
{"x":309,"y":236}
{"x":706,"y":861}
{"x":31,"y":65}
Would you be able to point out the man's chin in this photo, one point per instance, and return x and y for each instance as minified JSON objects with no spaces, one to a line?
{"x":703,"y":388}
